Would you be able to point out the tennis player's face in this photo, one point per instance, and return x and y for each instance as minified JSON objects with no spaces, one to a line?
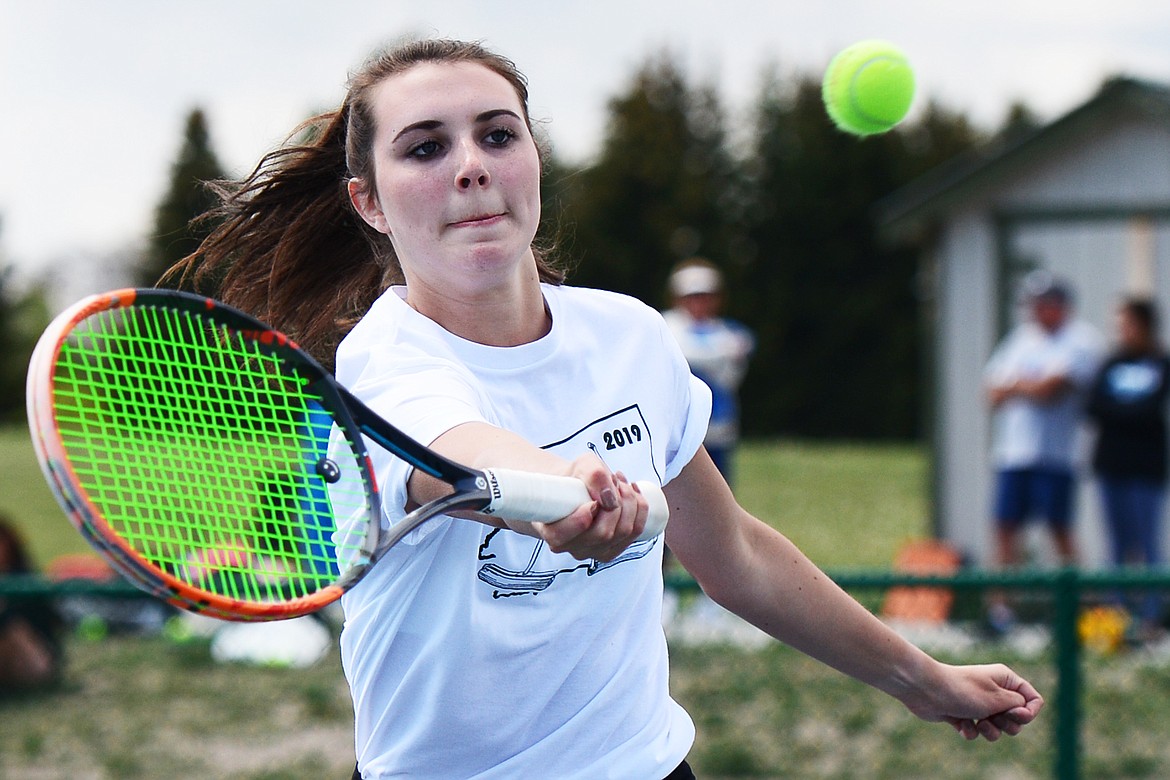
{"x":457,"y":176}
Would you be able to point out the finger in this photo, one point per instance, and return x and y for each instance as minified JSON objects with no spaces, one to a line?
{"x":964,"y":726}
{"x":1024,"y":712}
{"x":1007,"y":724}
{"x":617,"y":504}
{"x":987,"y":729}
{"x":1021,"y":715}
{"x":635,"y":508}
{"x":1033,"y":701}
{"x":643,"y":510}
{"x":565,"y":531}
{"x":1011,"y":681}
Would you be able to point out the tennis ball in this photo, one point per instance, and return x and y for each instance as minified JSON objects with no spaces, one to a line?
{"x":868,"y":87}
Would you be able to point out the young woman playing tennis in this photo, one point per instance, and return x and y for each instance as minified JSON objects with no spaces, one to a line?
{"x":397,"y":245}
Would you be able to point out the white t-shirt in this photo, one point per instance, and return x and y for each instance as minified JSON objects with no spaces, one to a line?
{"x":475,"y":652}
{"x":1028,"y":433}
{"x":717,"y":350}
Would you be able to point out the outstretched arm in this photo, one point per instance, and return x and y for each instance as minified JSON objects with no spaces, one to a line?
{"x":757,"y":573}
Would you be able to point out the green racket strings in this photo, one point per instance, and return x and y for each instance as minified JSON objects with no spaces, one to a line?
{"x":202,"y":449}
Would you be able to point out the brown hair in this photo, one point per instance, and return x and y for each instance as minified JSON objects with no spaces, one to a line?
{"x":289,"y":247}
{"x":1144,"y":312}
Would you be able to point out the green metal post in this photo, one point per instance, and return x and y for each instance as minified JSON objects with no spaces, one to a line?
{"x":1067,"y":733}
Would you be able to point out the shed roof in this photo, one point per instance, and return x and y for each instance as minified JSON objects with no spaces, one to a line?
{"x":933,"y":194}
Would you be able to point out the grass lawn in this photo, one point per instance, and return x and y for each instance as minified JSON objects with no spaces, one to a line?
{"x":144,"y":707}
{"x":845,"y":505}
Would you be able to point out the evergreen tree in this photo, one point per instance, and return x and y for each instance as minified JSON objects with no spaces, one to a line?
{"x":176,"y":232}
{"x":657,"y":193}
{"x":1020,"y":122}
{"x":836,"y":311}
{"x":22,"y":318}
{"x":11,"y":370}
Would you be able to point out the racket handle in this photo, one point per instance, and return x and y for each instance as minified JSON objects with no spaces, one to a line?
{"x":545,"y":498}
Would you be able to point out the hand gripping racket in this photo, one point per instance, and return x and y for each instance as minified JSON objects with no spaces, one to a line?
{"x":217,"y":466}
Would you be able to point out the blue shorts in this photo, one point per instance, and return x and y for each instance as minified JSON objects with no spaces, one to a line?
{"x":1021,"y":494}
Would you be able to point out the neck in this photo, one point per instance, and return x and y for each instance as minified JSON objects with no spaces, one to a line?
{"x":503,"y":316}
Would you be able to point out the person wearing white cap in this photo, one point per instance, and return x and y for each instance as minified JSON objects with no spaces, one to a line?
{"x":716,"y":348}
{"x":1036,"y":383}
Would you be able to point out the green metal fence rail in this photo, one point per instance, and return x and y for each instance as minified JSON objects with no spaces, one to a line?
{"x":1067,"y":588}
{"x":30,"y":587}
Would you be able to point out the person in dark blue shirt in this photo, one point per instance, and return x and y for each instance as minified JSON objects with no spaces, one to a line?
{"x":1128,"y":403}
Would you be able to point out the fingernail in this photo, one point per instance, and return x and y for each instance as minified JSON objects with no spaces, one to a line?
{"x":609,"y":499}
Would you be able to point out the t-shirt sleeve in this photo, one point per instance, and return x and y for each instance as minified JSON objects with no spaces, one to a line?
{"x":422,"y":396}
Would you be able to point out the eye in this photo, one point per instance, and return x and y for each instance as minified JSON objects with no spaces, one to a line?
{"x":423,"y":149}
{"x":500,"y":136}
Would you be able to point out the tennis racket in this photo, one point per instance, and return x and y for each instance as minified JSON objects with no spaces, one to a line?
{"x":217,"y":466}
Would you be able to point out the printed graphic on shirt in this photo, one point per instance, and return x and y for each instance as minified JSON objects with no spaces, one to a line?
{"x":1130,"y":382}
{"x":515,"y":565}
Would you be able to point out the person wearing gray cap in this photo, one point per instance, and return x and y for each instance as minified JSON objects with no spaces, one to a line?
{"x":1035,"y":382}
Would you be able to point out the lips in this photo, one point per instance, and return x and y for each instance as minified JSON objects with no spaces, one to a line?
{"x":478,"y":221}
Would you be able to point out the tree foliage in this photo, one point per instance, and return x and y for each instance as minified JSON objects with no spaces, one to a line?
{"x":657,"y":193}
{"x":176,"y":231}
{"x":23,"y":315}
{"x":836,"y":312}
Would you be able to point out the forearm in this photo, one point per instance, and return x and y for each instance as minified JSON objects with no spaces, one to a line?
{"x":481,"y":446}
{"x":1045,"y":390}
{"x":760,"y":575}
{"x":783,"y":593}
{"x":757,"y":573}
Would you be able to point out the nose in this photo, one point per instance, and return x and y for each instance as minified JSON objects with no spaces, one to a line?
{"x":472,"y":172}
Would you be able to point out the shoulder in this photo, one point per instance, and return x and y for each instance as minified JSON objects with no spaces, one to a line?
{"x":1084,"y":335}
{"x":1019,"y":339}
{"x":1025,"y":332}
{"x":391,"y":339}
{"x":388,"y":311}
{"x":587,"y":297}
{"x":603,"y":308}
{"x":734,"y":326}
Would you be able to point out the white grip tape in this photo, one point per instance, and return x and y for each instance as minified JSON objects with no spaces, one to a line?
{"x":545,"y":498}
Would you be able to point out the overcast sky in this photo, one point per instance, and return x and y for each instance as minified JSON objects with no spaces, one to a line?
{"x":93,"y":95}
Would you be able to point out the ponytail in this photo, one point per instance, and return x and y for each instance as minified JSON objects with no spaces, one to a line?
{"x":289,"y":248}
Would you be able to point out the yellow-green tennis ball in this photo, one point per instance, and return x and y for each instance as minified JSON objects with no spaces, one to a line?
{"x":868,"y":87}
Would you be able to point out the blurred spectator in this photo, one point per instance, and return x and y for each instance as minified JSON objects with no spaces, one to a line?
{"x":1128,"y":403}
{"x":94,"y":616}
{"x":30,"y":648}
{"x":716,"y":348}
{"x":1036,"y":381}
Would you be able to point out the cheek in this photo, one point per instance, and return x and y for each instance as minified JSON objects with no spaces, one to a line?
{"x":407,"y":200}
{"x":525,"y":178}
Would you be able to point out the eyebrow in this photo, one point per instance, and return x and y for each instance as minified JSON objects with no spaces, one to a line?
{"x":432,"y":124}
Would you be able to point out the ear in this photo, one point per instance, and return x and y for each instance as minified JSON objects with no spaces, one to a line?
{"x":365,"y":201}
